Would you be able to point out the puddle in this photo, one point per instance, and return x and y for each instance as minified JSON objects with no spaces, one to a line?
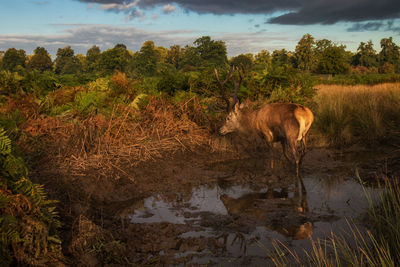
{"x":239,"y":220}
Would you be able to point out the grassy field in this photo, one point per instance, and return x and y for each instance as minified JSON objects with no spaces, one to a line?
{"x":363,"y":114}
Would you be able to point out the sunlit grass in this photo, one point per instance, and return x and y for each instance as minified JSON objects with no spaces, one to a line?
{"x":362,"y":113}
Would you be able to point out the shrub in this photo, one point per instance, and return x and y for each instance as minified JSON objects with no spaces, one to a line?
{"x":28,"y":221}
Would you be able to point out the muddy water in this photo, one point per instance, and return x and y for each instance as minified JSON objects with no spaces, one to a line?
{"x":235,"y":218}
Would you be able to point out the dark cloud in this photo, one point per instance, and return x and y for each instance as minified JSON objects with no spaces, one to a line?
{"x":295,"y":11}
{"x":375,"y":26}
{"x":368,"y":26}
{"x":329,"y":12}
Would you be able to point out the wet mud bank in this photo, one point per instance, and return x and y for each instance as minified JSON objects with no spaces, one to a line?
{"x":201,"y":208}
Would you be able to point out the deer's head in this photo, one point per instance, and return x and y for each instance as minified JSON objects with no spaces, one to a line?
{"x":232,"y":121}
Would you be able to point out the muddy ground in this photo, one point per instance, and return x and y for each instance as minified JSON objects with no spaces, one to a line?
{"x":206,"y":208}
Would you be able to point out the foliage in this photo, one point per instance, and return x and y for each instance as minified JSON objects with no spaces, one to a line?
{"x":366,"y":55}
{"x":41,"y":60}
{"x":28,"y":221}
{"x":367,"y":79}
{"x":293,"y":87}
{"x":390,"y":53}
{"x":243,"y":60}
{"x":120,"y":84}
{"x":10,"y":82}
{"x":13,"y":59}
{"x":92,"y":59}
{"x":304,"y":53}
{"x":145,"y":61}
{"x":117,"y":58}
{"x":66,"y":62}
{"x":175,"y":56}
{"x":210,"y":52}
{"x":171,"y":81}
{"x":333,"y":60}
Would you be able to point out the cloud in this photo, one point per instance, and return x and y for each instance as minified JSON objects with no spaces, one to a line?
{"x":389,"y":25}
{"x":167,"y":9}
{"x":330,"y":12}
{"x":81,"y":37}
{"x":297,"y":12}
{"x":130,"y":9}
{"x":368,"y":26}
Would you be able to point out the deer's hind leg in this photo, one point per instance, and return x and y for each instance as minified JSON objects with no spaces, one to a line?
{"x":268,"y":137}
{"x":293,"y":144}
{"x":285,"y":149}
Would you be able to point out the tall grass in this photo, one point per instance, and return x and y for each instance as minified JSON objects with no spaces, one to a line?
{"x":379,"y":245}
{"x":358,"y":114}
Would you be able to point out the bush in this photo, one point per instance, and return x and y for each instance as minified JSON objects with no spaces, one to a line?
{"x":291,"y":86}
{"x":28,"y":221}
{"x":369,"y":79}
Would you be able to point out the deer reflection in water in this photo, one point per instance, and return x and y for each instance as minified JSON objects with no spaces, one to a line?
{"x":282,"y":210}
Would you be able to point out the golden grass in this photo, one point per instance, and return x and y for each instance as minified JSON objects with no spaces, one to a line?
{"x":360,"y":113}
{"x":127,"y":136}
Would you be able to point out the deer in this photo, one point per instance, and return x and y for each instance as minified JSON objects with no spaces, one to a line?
{"x":287,"y":123}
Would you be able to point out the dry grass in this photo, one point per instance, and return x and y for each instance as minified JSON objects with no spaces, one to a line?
{"x":361,"y":113}
{"x":128,"y":136}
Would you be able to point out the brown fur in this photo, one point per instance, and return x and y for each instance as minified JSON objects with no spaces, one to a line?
{"x":287,"y":123}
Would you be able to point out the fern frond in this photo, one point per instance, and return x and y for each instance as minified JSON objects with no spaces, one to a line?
{"x":5,"y":143}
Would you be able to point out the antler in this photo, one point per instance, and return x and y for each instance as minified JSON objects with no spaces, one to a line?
{"x":241,"y":72}
{"x":229,"y":75}
{"x":224,"y":94}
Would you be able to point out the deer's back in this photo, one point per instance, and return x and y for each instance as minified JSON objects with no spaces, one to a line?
{"x":281,"y":119}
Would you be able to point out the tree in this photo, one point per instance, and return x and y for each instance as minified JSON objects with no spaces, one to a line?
{"x":333,"y":60}
{"x":366,"y":55}
{"x":280,"y":58}
{"x":113,"y":59}
{"x":92,"y":59}
{"x":262,"y":60}
{"x":304,"y":53}
{"x":190,"y":57}
{"x":243,"y":60}
{"x":321,"y":45}
{"x":390,"y":53}
{"x":211,"y":52}
{"x":146,"y":60}
{"x":66,"y":62}
{"x":41,"y":60}
{"x":174,"y":56}
{"x":13,"y":58}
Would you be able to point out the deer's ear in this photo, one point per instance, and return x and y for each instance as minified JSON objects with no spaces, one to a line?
{"x":237,"y":107}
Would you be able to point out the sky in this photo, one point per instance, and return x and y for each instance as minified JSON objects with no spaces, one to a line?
{"x":246,"y":26}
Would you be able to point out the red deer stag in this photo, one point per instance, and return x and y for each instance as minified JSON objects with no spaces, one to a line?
{"x":287,"y":123}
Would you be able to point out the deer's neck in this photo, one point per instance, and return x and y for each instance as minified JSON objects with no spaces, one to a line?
{"x":247,"y":121}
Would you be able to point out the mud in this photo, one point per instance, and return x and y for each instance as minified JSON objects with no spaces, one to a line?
{"x":202,"y":208}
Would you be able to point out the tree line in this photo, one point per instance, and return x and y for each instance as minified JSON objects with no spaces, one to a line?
{"x":310,"y":55}
{"x":153,"y":69}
